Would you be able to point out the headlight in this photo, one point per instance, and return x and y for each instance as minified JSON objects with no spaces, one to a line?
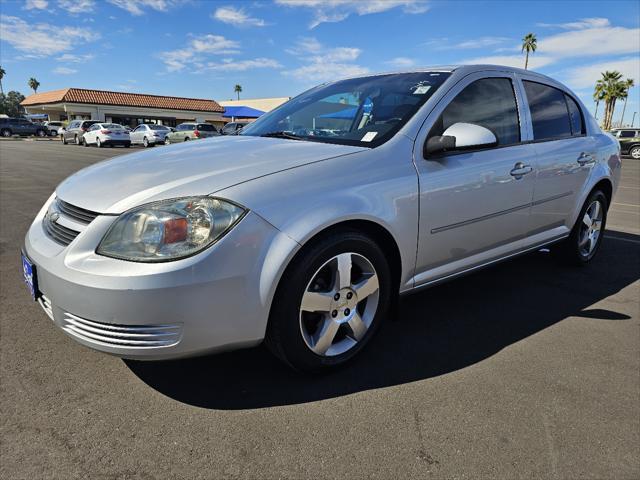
{"x":170,"y":229}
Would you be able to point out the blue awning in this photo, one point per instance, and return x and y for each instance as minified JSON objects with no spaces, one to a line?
{"x":345,"y":114}
{"x":37,"y":115}
{"x":242,"y":112}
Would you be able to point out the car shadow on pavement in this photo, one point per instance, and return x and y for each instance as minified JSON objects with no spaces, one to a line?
{"x":435,"y":332}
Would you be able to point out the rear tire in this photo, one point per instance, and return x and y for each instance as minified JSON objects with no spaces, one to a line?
{"x":84,"y":142}
{"x":167,"y":141}
{"x":77,"y":140}
{"x":127,"y":145}
{"x":64,"y":140}
{"x":318,"y":321}
{"x":145,"y":142}
{"x":98,"y":142}
{"x":5,"y":132}
{"x":586,"y":236}
{"x":186,"y":139}
{"x":41,"y":133}
{"x":635,"y":152}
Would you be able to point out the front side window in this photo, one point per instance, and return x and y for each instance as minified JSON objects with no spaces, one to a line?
{"x":488,"y":102}
{"x":626,"y":134}
{"x":359,"y":111}
{"x":549,"y":111}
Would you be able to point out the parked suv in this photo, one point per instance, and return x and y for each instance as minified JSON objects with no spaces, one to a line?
{"x":232,"y":128}
{"x":75,"y":131}
{"x":304,"y":228}
{"x":629,"y":139}
{"x":191,"y":131}
{"x":20,"y":126}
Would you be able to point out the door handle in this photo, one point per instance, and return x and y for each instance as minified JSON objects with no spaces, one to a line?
{"x":520,"y":169}
{"x":585,"y":158}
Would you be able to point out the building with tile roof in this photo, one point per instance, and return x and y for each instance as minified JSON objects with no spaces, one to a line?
{"x":122,"y":107}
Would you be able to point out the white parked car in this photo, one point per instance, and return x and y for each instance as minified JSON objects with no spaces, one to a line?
{"x":106,"y":134}
{"x":55,"y":128}
{"x":149,"y":134}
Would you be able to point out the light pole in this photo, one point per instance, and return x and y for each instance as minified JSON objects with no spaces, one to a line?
{"x":633,"y":119}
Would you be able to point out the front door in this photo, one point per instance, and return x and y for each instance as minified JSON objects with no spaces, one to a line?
{"x":474,"y":205}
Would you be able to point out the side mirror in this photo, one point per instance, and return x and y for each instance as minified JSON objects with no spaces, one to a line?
{"x":460,"y":136}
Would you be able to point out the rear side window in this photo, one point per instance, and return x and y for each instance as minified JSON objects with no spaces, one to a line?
{"x":626,"y":134}
{"x":488,"y":102}
{"x":575,"y":115}
{"x":205,"y":127}
{"x":549,"y":111}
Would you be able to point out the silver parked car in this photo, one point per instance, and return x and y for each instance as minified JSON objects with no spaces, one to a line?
{"x":149,"y":134}
{"x":302,"y":229}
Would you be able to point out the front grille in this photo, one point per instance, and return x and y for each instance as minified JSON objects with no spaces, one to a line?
{"x":76,"y":213}
{"x":45,"y":303}
{"x":59,"y":233}
{"x":133,"y":336}
{"x":62,"y":235}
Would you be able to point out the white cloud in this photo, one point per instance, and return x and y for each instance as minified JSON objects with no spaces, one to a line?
{"x":482,"y":42}
{"x":76,"y":6}
{"x":585,"y":38}
{"x":72,"y":58}
{"x":36,"y":5}
{"x":401,"y":62}
{"x":583,"y":23}
{"x":230,"y":65}
{"x":237,"y":17}
{"x":324,"y":63}
{"x":214,"y":44}
{"x":585,"y":76}
{"x":42,"y":39}
{"x":140,"y":7}
{"x":338,"y":10}
{"x":195,"y":56}
{"x":64,"y":71}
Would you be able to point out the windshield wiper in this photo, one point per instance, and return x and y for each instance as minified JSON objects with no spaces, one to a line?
{"x":283,"y":134}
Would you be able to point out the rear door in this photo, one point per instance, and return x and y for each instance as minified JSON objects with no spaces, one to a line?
{"x":565,"y":156}
{"x":474,"y":205}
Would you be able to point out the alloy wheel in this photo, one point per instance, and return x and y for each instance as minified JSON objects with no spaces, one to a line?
{"x":590,"y":229}
{"x":339,"y":304}
{"x":635,"y":153}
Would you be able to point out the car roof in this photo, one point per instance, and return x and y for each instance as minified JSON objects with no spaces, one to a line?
{"x":464,"y":69}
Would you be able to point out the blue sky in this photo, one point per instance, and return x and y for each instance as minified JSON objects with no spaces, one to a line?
{"x":202,"y":48}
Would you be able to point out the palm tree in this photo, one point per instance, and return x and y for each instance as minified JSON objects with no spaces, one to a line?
{"x":629,"y":84}
{"x":529,"y":44}
{"x":2,"y":73}
{"x":34,"y":84}
{"x":237,"y":89}
{"x":613,"y":87}
{"x":598,"y":95}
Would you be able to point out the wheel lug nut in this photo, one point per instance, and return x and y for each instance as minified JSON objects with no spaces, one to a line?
{"x":334,"y":314}
{"x":336,"y":296}
{"x":346,"y":311}
{"x":349,"y":296}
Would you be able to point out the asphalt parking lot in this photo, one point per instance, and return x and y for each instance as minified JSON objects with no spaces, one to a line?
{"x":524,"y":370}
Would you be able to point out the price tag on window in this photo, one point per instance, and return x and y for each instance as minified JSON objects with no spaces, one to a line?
{"x":421,"y":89}
{"x":369,"y":136}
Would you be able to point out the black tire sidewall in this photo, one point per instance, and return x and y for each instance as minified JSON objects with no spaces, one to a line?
{"x":284,"y":335}
{"x":572,"y":249}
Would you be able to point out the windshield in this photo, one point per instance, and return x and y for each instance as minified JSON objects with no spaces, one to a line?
{"x":359,"y":111}
{"x":158,"y":127}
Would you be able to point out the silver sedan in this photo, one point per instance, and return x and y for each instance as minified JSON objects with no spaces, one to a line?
{"x":149,"y":134}
{"x":302,"y":230}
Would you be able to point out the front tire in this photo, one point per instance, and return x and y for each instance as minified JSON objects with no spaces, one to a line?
{"x":586,"y":236}
{"x":98,"y":142}
{"x":635,"y":152}
{"x":167,"y":141}
{"x":84,"y":142}
{"x":330,"y":301}
{"x":5,"y":132}
{"x":77,"y":140}
{"x":145,"y":142}
{"x":41,"y":133}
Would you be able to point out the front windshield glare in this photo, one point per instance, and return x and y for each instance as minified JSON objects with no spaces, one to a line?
{"x":359,"y":111}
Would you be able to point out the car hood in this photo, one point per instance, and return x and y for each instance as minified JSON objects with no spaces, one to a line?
{"x":193,"y":168}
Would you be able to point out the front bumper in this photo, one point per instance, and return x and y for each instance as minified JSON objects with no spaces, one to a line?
{"x":216,"y":300}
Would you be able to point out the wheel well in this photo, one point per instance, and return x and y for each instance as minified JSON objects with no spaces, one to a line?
{"x":379,"y":234}
{"x":606,"y":187}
